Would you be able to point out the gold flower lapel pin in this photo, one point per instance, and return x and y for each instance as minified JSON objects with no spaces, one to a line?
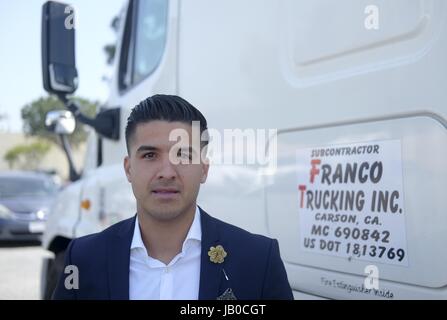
{"x":217,"y":254}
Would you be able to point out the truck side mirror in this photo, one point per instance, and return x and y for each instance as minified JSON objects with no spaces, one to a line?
{"x":58,"y":48}
{"x":60,"y":122}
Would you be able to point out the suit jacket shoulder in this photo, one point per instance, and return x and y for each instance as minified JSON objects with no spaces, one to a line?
{"x":253,"y":264}
{"x":90,"y":255}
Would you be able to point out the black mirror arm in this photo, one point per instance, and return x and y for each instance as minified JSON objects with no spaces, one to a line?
{"x":73,"y":106}
{"x":106,"y":123}
{"x":74,"y":175}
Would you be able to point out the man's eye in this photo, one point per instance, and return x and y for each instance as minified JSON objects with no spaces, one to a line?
{"x":149,"y":155}
{"x":184,"y":154}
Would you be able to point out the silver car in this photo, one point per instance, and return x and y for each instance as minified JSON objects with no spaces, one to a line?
{"x":25,"y":198}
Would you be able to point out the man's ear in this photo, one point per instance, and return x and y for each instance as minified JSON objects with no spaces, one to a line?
{"x":205,"y":163}
{"x":127,"y":168}
{"x":205,"y":168}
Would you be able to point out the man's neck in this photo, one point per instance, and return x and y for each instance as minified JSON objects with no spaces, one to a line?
{"x":164,"y":239}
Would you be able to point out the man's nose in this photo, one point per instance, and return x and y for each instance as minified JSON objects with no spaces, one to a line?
{"x":167,"y":169}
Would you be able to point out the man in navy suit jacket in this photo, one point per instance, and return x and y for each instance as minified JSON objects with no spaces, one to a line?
{"x":209,"y":259}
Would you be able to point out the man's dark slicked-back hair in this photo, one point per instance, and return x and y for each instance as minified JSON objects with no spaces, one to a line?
{"x":168,"y":108}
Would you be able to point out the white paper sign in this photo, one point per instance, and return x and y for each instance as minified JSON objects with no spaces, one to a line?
{"x":351,"y":201}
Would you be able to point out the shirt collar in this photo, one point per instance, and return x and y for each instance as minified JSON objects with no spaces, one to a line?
{"x":194,"y":233}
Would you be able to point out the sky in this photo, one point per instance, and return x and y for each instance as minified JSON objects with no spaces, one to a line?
{"x":20,"y":53}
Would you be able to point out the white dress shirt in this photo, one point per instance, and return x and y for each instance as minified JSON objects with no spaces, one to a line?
{"x":151,"y":279}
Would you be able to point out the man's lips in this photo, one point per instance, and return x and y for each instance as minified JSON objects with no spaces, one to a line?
{"x":165,"y":192}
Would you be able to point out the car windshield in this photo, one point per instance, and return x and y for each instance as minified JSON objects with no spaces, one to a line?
{"x":26,"y":187}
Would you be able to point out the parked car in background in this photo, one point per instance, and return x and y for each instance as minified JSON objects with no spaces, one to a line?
{"x":25,"y":198}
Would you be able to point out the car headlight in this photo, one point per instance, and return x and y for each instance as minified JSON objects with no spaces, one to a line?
{"x":5,"y":213}
{"x":42,"y":214}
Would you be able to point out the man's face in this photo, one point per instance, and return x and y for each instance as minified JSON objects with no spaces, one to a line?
{"x":163,"y":188}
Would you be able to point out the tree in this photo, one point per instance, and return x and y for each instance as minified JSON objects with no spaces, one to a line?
{"x":27,"y":157}
{"x":34,"y":114}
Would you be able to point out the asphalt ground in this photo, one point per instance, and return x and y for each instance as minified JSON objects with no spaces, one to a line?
{"x":20,"y":269}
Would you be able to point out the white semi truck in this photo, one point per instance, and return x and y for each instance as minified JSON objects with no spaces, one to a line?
{"x":357,"y":92}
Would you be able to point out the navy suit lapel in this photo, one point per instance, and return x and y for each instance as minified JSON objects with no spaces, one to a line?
{"x":210,"y":273}
{"x":119,"y":260}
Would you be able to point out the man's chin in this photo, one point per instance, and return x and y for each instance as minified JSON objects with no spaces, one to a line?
{"x":164,"y":213}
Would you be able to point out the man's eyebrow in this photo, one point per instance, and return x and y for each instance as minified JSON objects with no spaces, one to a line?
{"x":146,"y":148}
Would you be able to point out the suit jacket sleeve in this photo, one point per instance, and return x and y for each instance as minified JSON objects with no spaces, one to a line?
{"x":61,"y":293}
{"x":276,"y":285}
